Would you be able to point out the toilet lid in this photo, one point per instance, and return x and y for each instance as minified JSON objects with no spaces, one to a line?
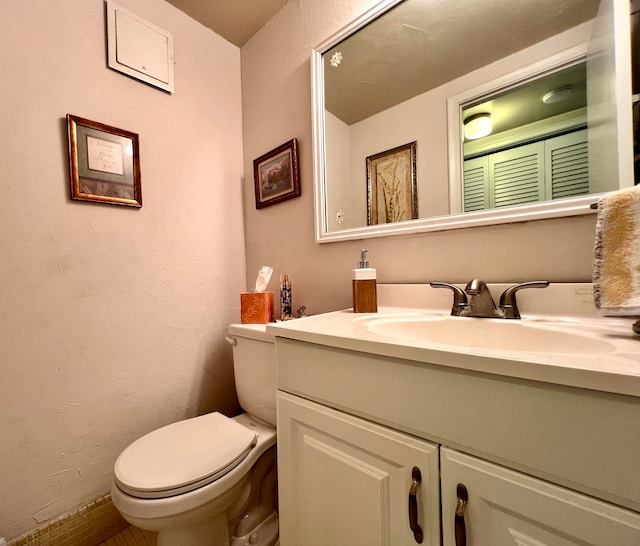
{"x":183,"y":456}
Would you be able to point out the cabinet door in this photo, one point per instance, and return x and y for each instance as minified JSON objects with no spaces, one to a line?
{"x":345,"y":481}
{"x":504,"y":507}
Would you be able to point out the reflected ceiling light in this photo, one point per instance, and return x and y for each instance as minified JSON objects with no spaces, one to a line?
{"x":477,"y":126}
{"x":563,"y":93}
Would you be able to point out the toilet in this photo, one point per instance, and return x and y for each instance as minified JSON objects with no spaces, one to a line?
{"x":211,"y":480}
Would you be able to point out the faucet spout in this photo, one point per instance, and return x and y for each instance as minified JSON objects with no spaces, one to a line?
{"x":481,"y":302}
{"x":475,"y":287}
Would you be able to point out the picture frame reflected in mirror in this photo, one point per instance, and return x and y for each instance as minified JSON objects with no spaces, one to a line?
{"x":392,"y":185}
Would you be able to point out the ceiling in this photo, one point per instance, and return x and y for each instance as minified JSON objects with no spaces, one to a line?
{"x":415,"y":28}
{"x":234,"y":20}
{"x":420,"y":45}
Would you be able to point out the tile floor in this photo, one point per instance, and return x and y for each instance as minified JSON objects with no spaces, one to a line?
{"x":132,"y":536}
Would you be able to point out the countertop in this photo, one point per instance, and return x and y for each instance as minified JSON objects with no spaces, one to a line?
{"x":617,"y":370}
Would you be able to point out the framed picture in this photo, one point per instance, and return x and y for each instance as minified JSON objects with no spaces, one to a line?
{"x":276,"y":175}
{"x":391,"y":185}
{"x":104,"y":163}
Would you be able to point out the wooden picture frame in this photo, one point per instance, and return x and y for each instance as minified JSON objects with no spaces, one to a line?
{"x":392,"y":186}
{"x":276,"y":175}
{"x":104,"y":163}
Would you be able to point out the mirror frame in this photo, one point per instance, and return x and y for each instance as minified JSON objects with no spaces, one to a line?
{"x":549,"y":209}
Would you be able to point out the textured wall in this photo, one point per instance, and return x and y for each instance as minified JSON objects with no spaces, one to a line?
{"x":112,"y":319}
{"x":277,"y":106}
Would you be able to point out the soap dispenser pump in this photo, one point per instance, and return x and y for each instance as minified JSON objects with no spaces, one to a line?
{"x":365,"y":299}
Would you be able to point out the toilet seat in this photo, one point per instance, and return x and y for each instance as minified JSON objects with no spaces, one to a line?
{"x":183,"y":456}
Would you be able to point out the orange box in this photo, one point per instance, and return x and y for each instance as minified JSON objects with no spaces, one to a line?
{"x":256,"y":307}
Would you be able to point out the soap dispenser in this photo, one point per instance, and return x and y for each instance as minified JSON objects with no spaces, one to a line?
{"x":365,"y":299}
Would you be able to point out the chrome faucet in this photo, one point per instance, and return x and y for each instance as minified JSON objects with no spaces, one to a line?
{"x":481,"y":302}
{"x":476,"y":300}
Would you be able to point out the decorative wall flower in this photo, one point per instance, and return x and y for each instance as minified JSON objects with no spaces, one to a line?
{"x":336,"y":59}
{"x":340,"y":216}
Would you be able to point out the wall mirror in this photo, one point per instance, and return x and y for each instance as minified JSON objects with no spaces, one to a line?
{"x":408,"y":74}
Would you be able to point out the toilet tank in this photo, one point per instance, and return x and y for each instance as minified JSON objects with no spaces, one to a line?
{"x":254,"y":366}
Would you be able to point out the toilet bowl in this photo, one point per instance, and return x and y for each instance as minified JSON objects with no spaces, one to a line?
{"x":210,"y":480}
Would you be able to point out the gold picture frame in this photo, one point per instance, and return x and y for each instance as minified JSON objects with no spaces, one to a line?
{"x":276,"y":176}
{"x":392,"y":186}
{"x":104,"y":163}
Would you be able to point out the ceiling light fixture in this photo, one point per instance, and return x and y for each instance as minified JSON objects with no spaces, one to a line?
{"x":477,"y":126}
{"x":557,"y":95}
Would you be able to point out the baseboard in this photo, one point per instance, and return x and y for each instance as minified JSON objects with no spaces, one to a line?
{"x":88,"y":525}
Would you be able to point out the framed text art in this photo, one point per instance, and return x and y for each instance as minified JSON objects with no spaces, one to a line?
{"x":104,"y":163}
{"x":391,"y":185}
{"x":276,"y":175}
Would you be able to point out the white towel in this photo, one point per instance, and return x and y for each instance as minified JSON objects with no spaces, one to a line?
{"x":616,"y":267}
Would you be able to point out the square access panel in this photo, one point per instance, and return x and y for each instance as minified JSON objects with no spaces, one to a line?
{"x":138,"y":48}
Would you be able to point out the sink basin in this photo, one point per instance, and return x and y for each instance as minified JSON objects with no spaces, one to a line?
{"x":491,"y":334}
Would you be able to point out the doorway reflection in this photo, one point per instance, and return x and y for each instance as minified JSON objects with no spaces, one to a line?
{"x":532,"y":143}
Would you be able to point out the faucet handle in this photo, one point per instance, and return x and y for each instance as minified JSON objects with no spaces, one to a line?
{"x":460,"y":302}
{"x":508,"y":303}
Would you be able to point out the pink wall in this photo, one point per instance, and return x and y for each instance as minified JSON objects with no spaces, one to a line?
{"x":112,"y":319}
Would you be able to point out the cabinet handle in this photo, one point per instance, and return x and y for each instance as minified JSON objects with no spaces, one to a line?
{"x":413,"y":505}
{"x":460,"y":528}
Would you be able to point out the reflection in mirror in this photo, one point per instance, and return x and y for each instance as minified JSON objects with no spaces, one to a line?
{"x":528,"y":144}
{"x":412,"y":71}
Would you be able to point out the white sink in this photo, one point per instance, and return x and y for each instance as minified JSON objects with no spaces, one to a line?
{"x":560,"y":339}
{"x":493,"y":334}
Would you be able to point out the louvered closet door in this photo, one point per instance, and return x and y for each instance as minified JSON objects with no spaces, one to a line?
{"x":517,"y":175}
{"x":503,"y":179}
{"x":476,"y":184}
{"x":552,"y":169}
{"x":567,"y":165}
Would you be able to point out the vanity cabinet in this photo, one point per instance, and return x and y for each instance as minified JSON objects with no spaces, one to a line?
{"x":344,"y":480}
{"x":542,"y":463}
{"x":506,"y":507}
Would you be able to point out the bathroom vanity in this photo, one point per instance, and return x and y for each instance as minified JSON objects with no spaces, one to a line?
{"x":411,"y":426}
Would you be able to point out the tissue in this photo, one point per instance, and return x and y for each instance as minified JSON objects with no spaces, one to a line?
{"x":257,"y":307}
{"x":264,"y":276}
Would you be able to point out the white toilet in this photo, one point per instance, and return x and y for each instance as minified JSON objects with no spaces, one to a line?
{"x":211,"y":480}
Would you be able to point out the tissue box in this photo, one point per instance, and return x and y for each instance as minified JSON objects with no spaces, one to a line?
{"x":256,"y":307}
